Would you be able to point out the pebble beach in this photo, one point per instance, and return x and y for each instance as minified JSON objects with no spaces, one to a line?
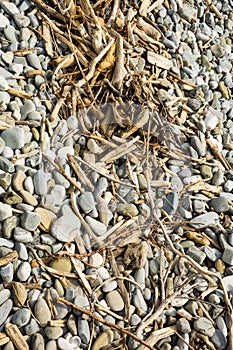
{"x":116,"y":177}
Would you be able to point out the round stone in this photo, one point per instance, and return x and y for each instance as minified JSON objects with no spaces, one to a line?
{"x":42,"y":312}
{"x":61,"y":264}
{"x":53,"y":332}
{"x":5,"y":211}
{"x":204,"y":326}
{"x":24,"y":271}
{"x":21,"y":317}
{"x":13,"y":137}
{"x":30,"y":220}
{"x":115,"y":301}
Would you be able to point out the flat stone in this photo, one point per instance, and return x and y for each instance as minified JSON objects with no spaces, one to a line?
{"x":6,"y":165}
{"x":38,"y":342}
{"x":13,"y":137}
{"x":139,"y":301}
{"x":115,"y":301}
{"x":61,"y":264}
{"x":22,"y":235}
{"x":84,"y":330}
{"x":7,"y":273}
{"x":3,"y":84}
{"x":109,"y":286}
{"x":47,"y":217}
{"x":5,"y":211}
{"x":86,"y":202}
{"x":30,"y":221}
{"x":40,"y":180}
{"x":10,"y":34}
{"x":58,"y":193}
{"x":34,"y":61}
{"x":97,"y":227}
{"x":4,"y":21}
{"x":204,"y":326}
{"x":21,"y":317}
{"x":53,"y":332}
{"x":171,"y":203}
{"x":9,"y":7}
{"x":135,"y":320}
{"x":194,"y":104}
{"x":28,"y":198}
{"x":4,"y":295}
{"x":103,"y":339}
{"x":219,"y":204}
{"x":8,"y":226}
{"x":183,"y":325}
{"x":64,"y":344}
{"x":199,"y":144}
{"x":11,"y":197}
{"x":207,"y":219}
{"x":24,"y":271}
{"x":206,"y":171}
{"x":196,"y":254}
{"x":127,"y":210}
{"x":188,"y":12}
{"x":32,"y":327}
{"x":219,"y":339}
{"x":217,"y":50}
{"x":21,"y":20}
{"x":42,"y":312}
{"x":66,"y":228}
{"x":96,"y":260}
{"x":5,"y":310}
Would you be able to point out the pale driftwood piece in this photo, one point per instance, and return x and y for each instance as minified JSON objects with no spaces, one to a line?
{"x":8,"y":258}
{"x":93,"y":64}
{"x":218,"y":154}
{"x":159,"y":60}
{"x":4,"y":339}
{"x":119,"y":71}
{"x":115,"y":8}
{"x":16,"y":336}
{"x":148,"y":29}
{"x":157,"y":3}
{"x":158,"y":335}
{"x":48,"y":39}
{"x":144,"y":36}
{"x":80,"y":173}
{"x":19,"y":93}
{"x":54,"y":114}
{"x":120,"y":151}
{"x":49,"y":10}
{"x":144,"y":7}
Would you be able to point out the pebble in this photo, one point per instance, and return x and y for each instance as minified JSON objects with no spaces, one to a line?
{"x":53,"y":332}
{"x":42,"y":312}
{"x":21,"y":317}
{"x":24,"y":271}
{"x":5,"y":310}
{"x":84,"y":330}
{"x":103,"y":339}
{"x":13,"y":137}
{"x":30,"y":221}
{"x":61,"y":264}
{"x":208,"y":219}
{"x":97,"y":227}
{"x":183,"y":325}
{"x":66,"y":228}
{"x":204,"y":326}
{"x":5,"y":211}
{"x":115,"y":301}
{"x":219,"y":204}
{"x":139,"y":301}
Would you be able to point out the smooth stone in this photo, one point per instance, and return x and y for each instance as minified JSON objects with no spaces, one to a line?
{"x":23,"y":236}
{"x":196,"y":254}
{"x":103,"y":339}
{"x":7,"y":273}
{"x":6,"y":243}
{"x":40,"y":180}
{"x":10,"y":34}
{"x":4,"y":295}
{"x":96,"y":260}
{"x":27,"y":108}
{"x":219,"y":339}
{"x":103,"y":273}
{"x":207,"y":219}
{"x":109,"y":286}
{"x":199,"y":144}
{"x":9,"y":7}
{"x":183,"y":325}
{"x":220,"y":266}
{"x":84,"y":330}
{"x":13,"y":137}
{"x":3,"y":84}
{"x":32,"y":327}
{"x":5,"y":180}
{"x":11,"y":197}
{"x":64,"y":344}
{"x":34,"y":61}
{"x":24,"y":271}
{"x":139,"y":301}
{"x":194,"y":104}
{"x":9,"y":225}
{"x":38,"y":342}
{"x":211,"y":121}
{"x":204,"y":326}
{"x":8,"y":152}
{"x":28,"y":185}
{"x":188,"y":12}
{"x":21,"y":317}
{"x":58,"y":193}
{"x":47,"y":217}
{"x":30,"y":221}
{"x":2,"y":145}
{"x":87,"y":202}
{"x":21,"y":250}
{"x":81,"y":301}
{"x":51,"y":345}
{"x":183,"y":343}
{"x":21,"y":20}
{"x":206,"y":171}
{"x":5,"y":211}
{"x":115,"y":301}
{"x":18,"y":179}
{"x":171,"y":203}
{"x":221,"y":324}
{"x":5,"y":310}
{"x":127,"y":210}
{"x":135,"y":320}
{"x":66,"y":228}
{"x":217,"y":50}
{"x":212,"y":253}
{"x":63,"y":151}
{"x":42,"y":312}
{"x":4,"y":73}
{"x":176,"y":184}
{"x":219,"y":204}
{"x":97,"y":227}
{"x":4,"y":21}
{"x":6,"y":165}
{"x":53,"y":332}
{"x":61,"y":264}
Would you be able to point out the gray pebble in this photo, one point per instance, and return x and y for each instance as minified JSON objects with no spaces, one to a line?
{"x":22,"y":235}
{"x":5,"y":309}
{"x":115,"y":301}
{"x":4,"y":21}
{"x":13,"y":137}
{"x":135,"y":320}
{"x":219,"y":340}
{"x":219,"y":204}
{"x":183,"y":325}
{"x":30,"y":221}
{"x":204,"y":326}
{"x":21,"y":317}
{"x":4,"y":295}
{"x":5,"y":211}
{"x":7,"y":273}
{"x":24,"y":271}
{"x":34,"y":61}
{"x":10,"y":34}
{"x":42,"y":312}
{"x":53,"y":332}
{"x":38,"y":342}
{"x":84,"y":330}
{"x":32,"y":327}
{"x":139,"y":301}
{"x":207,"y":219}
{"x":196,"y":254}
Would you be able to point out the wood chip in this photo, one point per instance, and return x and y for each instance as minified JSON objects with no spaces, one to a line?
{"x":16,"y":337}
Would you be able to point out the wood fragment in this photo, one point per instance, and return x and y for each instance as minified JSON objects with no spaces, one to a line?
{"x":8,"y":258}
{"x":16,"y":336}
{"x":218,"y":154}
{"x":19,"y":93}
{"x":49,"y":10}
{"x":158,"y":335}
{"x":4,"y":339}
{"x":119,"y":71}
